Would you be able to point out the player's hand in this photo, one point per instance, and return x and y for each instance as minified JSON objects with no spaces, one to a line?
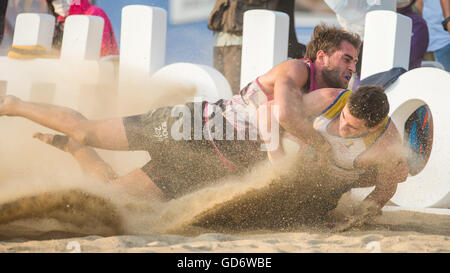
{"x":6,"y":104}
{"x":62,"y":142}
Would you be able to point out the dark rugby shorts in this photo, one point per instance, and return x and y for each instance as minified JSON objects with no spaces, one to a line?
{"x":178,"y":167}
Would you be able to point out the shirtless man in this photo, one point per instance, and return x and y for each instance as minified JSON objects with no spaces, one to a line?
{"x":178,"y":166}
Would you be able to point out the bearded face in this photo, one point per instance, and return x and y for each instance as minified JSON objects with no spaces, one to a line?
{"x":339,"y":66}
{"x":335,"y":78}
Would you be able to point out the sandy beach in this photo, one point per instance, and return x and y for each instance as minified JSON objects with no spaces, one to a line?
{"x":95,"y":226}
{"x":394,"y":232}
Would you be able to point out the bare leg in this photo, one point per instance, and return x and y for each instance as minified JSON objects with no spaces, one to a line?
{"x":91,"y":163}
{"x":106,"y":134}
{"x":136,"y":183}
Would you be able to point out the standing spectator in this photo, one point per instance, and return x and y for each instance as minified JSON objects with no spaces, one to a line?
{"x":64,"y":8}
{"x":420,"y":38}
{"x":3,"y":6}
{"x":437,"y":15}
{"x":226,"y":20}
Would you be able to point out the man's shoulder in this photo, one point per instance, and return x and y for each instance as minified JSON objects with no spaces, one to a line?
{"x":319,"y":100}
{"x":326,"y":95}
{"x":294,"y":71}
{"x":291,"y":67}
{"x":391,"y":135}
{"x":388,"y":146}
{"x":331,"y":93}
{"x":298,"y":64}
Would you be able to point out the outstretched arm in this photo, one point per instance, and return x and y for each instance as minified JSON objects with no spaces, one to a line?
{"x":293,"y":115}
{"x":390,"y":168}
{"x":294,"y":106}
{"x":385,"y":188}
{"x":388,"y":159}
{"x":106,"y":134}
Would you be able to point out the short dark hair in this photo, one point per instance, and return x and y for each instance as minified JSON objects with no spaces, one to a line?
{"x":329,"y":39}
{"x":369,"y":103}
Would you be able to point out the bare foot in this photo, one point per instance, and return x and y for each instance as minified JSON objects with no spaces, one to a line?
{"x":61,"y":142}
{"x":88,"y":159}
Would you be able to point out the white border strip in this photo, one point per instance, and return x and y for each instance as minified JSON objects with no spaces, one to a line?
{"x":423,"y":210}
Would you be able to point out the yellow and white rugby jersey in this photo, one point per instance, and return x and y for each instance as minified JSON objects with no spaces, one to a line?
{"x":346,"y":150}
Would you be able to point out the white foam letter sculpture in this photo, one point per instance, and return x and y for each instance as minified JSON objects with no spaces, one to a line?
{"x":82,"y":38}
{"x":387,"y":41}
{"x":34,"y":29}
{"x":209,"y":84}
{"x":142,"y":43}
{"x":31,"y":30}
{"x":425,"y":86}
{"x":80,"y":53}
{"x":265,"y":42}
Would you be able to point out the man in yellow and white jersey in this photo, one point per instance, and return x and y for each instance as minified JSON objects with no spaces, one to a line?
{"x":365,"y":145}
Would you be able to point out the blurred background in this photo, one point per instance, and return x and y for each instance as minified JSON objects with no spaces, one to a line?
{"x":188,"y":38}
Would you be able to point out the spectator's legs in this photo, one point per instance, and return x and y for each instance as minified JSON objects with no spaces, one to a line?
{"x":442,"y":55}
{"x":227,"y":59}
{"x":3,"y":6}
